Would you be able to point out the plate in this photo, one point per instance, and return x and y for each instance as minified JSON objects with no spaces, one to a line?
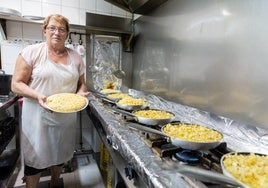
{"x":250,"y":164}
{"x":66,"y":102}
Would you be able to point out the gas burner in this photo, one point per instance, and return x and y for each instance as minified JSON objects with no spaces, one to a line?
{"x":166,"y":150}
{"x":160,"y":145}
{"x":189,"y":156}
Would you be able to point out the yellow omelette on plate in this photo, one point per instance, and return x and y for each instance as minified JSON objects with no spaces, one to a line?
{"x":66,"y":102}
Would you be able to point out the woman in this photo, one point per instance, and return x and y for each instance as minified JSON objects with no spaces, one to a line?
{"x":44,"y":69}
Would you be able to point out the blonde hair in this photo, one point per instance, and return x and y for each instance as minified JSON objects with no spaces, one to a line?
{"x":59,"y":18}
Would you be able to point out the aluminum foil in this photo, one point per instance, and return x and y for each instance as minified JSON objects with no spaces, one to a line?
{"x":156,"y":171}
{"x":239,"y":137}
{"x":106,"y":54}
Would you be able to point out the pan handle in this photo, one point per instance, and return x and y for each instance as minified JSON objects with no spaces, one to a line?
{"x":96,"y":93}
{"x":213,"y":177}
{"x":124,"y":112}
{"x":146,"y":129}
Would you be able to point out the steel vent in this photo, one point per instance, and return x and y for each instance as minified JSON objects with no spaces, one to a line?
{"x":137,"y":6}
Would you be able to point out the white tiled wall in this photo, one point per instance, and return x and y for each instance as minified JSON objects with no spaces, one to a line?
{"x":75,"y":10}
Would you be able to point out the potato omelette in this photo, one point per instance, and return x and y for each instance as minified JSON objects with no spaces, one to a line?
{"x":66,"y":102}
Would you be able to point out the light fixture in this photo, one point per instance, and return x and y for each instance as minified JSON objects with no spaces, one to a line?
{"x":9,"y":12}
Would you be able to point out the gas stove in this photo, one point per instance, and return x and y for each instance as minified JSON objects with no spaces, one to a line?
{"x":209,"y":160}
{"x":197,"y":168}
{"x":163,"y":148}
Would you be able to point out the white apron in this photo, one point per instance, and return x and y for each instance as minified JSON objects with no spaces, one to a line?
{"x":48,"y":138}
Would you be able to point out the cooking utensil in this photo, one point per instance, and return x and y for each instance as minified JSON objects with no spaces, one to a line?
{"x":102,"y":96}
{"x":240,"y":163}
{"x":69,"y":44}
{"x":194,"y":172}
{"x":193,"y":145}
{"x":146,"y":129}
{"x":93,"y":68}
{"x":207,"y":176}
{"x":119,"y":73}
{"x":5,"y":83}
{"x":176,"y":141}
{"x":130,"y":107}
{"x":146,"y":121}
{"x":96,"y":92}
{"x":80,"y":48}
{"x":117,"y":96}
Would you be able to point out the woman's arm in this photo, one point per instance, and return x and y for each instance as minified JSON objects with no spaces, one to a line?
{"x":20,"y":80}
{"x":81,"y":86}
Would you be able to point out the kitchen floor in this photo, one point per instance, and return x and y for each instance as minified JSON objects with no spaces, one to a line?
{"x":81,"y":172}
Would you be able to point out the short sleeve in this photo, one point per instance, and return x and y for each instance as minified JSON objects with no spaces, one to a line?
{"x":32,"y":53}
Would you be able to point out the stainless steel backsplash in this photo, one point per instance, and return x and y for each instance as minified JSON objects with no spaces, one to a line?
{"x":207,"y":54}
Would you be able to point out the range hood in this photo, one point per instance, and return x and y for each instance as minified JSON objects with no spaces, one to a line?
{"x":137,"y":6}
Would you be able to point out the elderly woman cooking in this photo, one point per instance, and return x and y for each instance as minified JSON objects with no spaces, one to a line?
{"x":44,"y":69}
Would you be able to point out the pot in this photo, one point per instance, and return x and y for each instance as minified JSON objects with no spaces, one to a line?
{"x":5,"y":83}
{"x":147,"y":121}
{"x":186,"y":144}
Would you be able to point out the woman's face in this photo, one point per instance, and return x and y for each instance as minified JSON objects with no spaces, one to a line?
{"x":55,"y":33}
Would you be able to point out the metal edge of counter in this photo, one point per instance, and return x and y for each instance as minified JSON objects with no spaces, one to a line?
{"x":117,"y":159}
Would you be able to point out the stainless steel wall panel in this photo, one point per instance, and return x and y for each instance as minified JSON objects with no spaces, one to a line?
{"x":207,"y":54}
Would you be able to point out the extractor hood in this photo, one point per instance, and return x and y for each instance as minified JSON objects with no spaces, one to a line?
{"x":137,"y":6}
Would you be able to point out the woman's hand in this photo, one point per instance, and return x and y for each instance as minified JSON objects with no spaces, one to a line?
{"x":83,"y":93}
{"x":42,"y":102}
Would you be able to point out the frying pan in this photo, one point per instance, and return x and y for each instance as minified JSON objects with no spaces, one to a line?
{"x":227,"y":173}
{"x":207,"y":176}
{"x":102,"y":96}
{"x":146,"y":121}
{"x":194,"y":145}
{"x":130,"y":107}
{"x":186,"y":144}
